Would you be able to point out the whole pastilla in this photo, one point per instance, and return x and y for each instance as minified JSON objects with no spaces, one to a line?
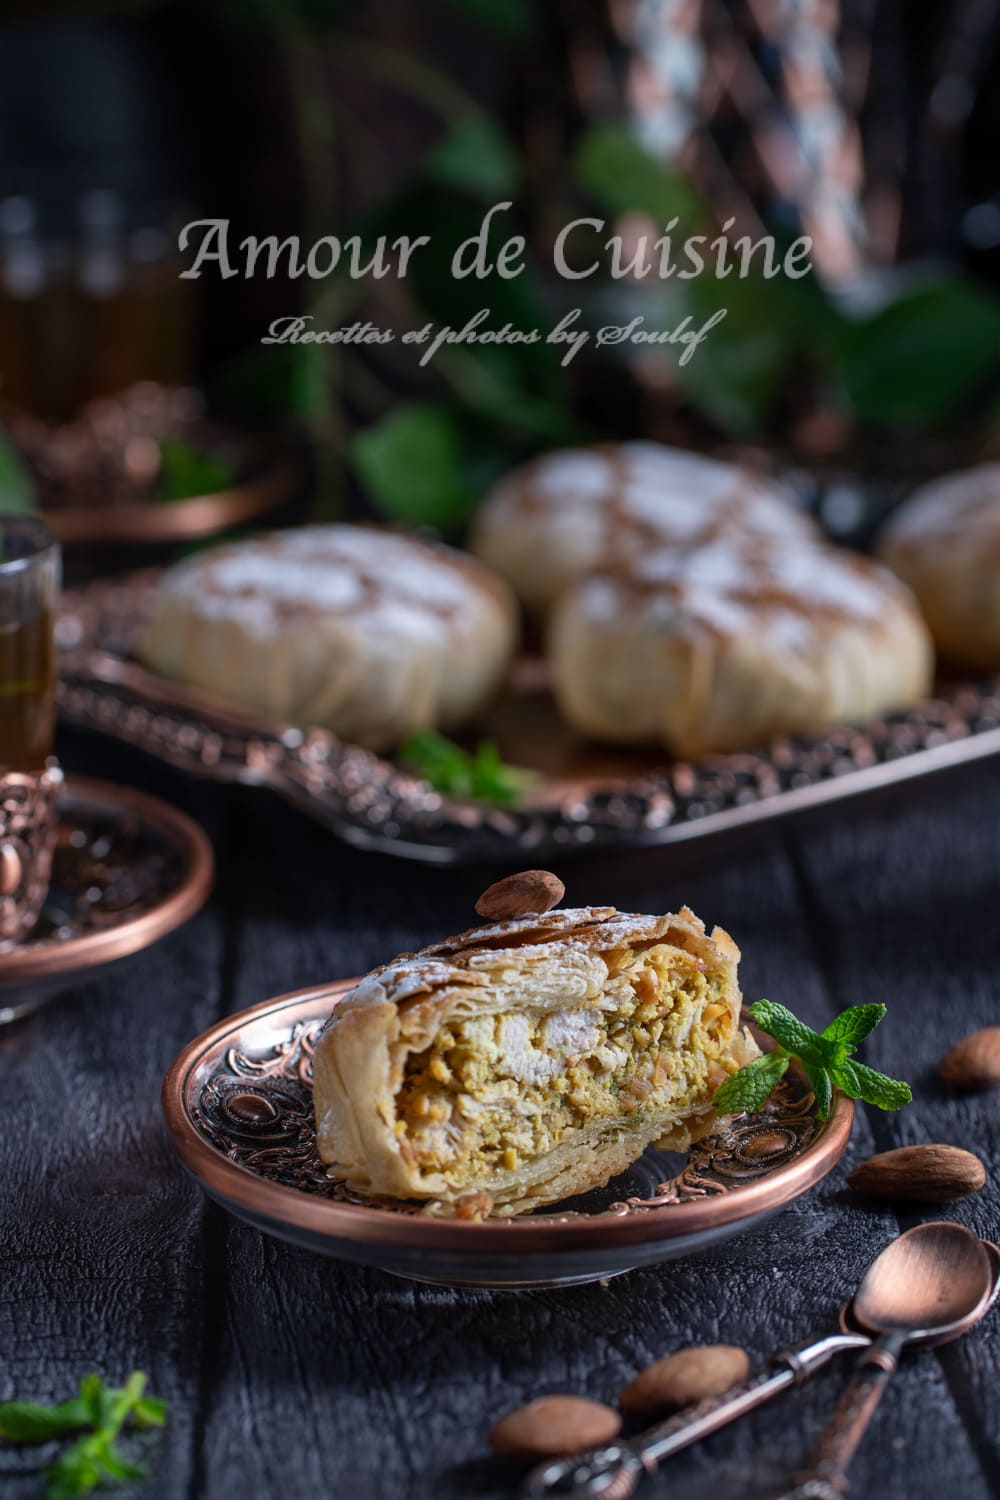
{"x":537,"y":1056}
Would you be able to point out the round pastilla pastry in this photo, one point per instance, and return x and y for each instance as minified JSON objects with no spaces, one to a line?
{"x":369,"y":633}
{"x":945,"y":543}
{"x":571,"y":512}
{"x":733,"y":643}
{"x":526,"y":1061}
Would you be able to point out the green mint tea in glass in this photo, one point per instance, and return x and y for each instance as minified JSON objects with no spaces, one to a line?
{"x":29,"y":586}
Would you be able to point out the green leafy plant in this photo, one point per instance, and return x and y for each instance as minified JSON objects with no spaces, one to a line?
{"x":100,"y":1413}
{"x":426,"y":441}
{"x":411,"y":462}
{"x":611,"y":167}
{"x":479,"y":774}
{"x":824,"y":1056}
{"x":17,"y":490}
{"x":186,"y":471}
{"x":513,"y":20}
{"x":916,"y":360}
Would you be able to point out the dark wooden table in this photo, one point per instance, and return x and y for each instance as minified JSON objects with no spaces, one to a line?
{"x":293,"y":1376}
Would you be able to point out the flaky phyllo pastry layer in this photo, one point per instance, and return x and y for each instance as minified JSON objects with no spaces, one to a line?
{"x":531,"y":1060}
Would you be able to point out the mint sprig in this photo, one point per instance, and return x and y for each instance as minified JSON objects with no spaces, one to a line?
{"x":100,"y":1413}
{"x":479,"y":774}
{"x":825,"y":1057}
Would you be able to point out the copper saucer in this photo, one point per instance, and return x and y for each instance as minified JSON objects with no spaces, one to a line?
{"x":127,"y":870}
{"x":238,"y":1103}
{"x":145,"y":522}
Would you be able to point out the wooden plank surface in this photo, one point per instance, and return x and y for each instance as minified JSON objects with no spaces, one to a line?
{"x":289,"y":1375}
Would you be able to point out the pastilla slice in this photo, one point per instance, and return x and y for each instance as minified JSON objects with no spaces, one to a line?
{"x":526,"y":1061}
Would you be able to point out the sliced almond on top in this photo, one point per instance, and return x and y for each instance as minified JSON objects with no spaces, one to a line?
{"x":529,"y":893}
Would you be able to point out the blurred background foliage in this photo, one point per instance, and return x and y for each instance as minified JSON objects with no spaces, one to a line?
{"x":321,"y":117}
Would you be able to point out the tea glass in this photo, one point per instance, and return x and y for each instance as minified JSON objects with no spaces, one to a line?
{"x":29,"y":776}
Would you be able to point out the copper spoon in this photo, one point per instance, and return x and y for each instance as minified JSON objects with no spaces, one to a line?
{"x":614,"y":1471}
{"x":848,"y":1318}
{"x":935,"y":1281}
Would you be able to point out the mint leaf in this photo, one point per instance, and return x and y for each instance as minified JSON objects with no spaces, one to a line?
{"x":117,"y":1467}
{"x":27,"y":1422}
{"x":852,"y":1026}
{"x":75,"y":1473}
{"x":794,"y":1035}
{"x":861,"y":1082}
{"x":481,"y":775}
{"x":149,"y":1412}
{"x":822,"y":1087}
{"x":748,"y":1089}
{"x":97,"y":1399}
{"x":846,"y":1078}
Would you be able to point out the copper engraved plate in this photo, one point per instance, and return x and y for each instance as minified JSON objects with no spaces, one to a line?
{"x":126,"y":870}
{"x":587,"y":798}
{"x":238,"y":1102}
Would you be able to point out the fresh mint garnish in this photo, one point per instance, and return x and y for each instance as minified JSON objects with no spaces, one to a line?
{"x":747,"y":1090}
{"x":100,"y":1413}
{"x":27,"y":1422}
{"x":479,"y":774}
{"x":825,"y":1058}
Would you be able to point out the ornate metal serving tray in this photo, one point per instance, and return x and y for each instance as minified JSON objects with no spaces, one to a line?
{"x":127,"y":869}
{"x":238,"y":1102}
{"x":587,"y":798}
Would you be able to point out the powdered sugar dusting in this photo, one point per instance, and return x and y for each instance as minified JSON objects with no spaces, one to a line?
{"x":579,"y":475}
{"x":460,"y":960}
{"x":735,"y":585}
{"x":684,"y":496}
{"x":404,"y":586}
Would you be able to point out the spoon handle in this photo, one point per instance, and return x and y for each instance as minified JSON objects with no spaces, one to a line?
{"x":826,"y":1477}
{"x":614,"y":1472}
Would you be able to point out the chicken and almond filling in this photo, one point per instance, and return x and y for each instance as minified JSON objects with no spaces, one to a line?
{"x":496,"y":1090}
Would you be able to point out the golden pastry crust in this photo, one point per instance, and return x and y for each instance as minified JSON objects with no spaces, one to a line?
{"x":566,"y":514}
{"x":733,"y":643}
{"x":945,"y":543}
{"x":530,"y":1060}
{"x":369,"y":633}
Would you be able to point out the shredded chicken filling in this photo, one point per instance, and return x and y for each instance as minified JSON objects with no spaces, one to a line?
{"x":496,"y":1090}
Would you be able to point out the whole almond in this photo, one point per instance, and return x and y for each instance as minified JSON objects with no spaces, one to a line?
{"x":682,"y":1378}
{"x":553,"y":1426}
{"x":923,"y":1174}
{"x":529,"y":893}
{"x":974,"y":1062}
